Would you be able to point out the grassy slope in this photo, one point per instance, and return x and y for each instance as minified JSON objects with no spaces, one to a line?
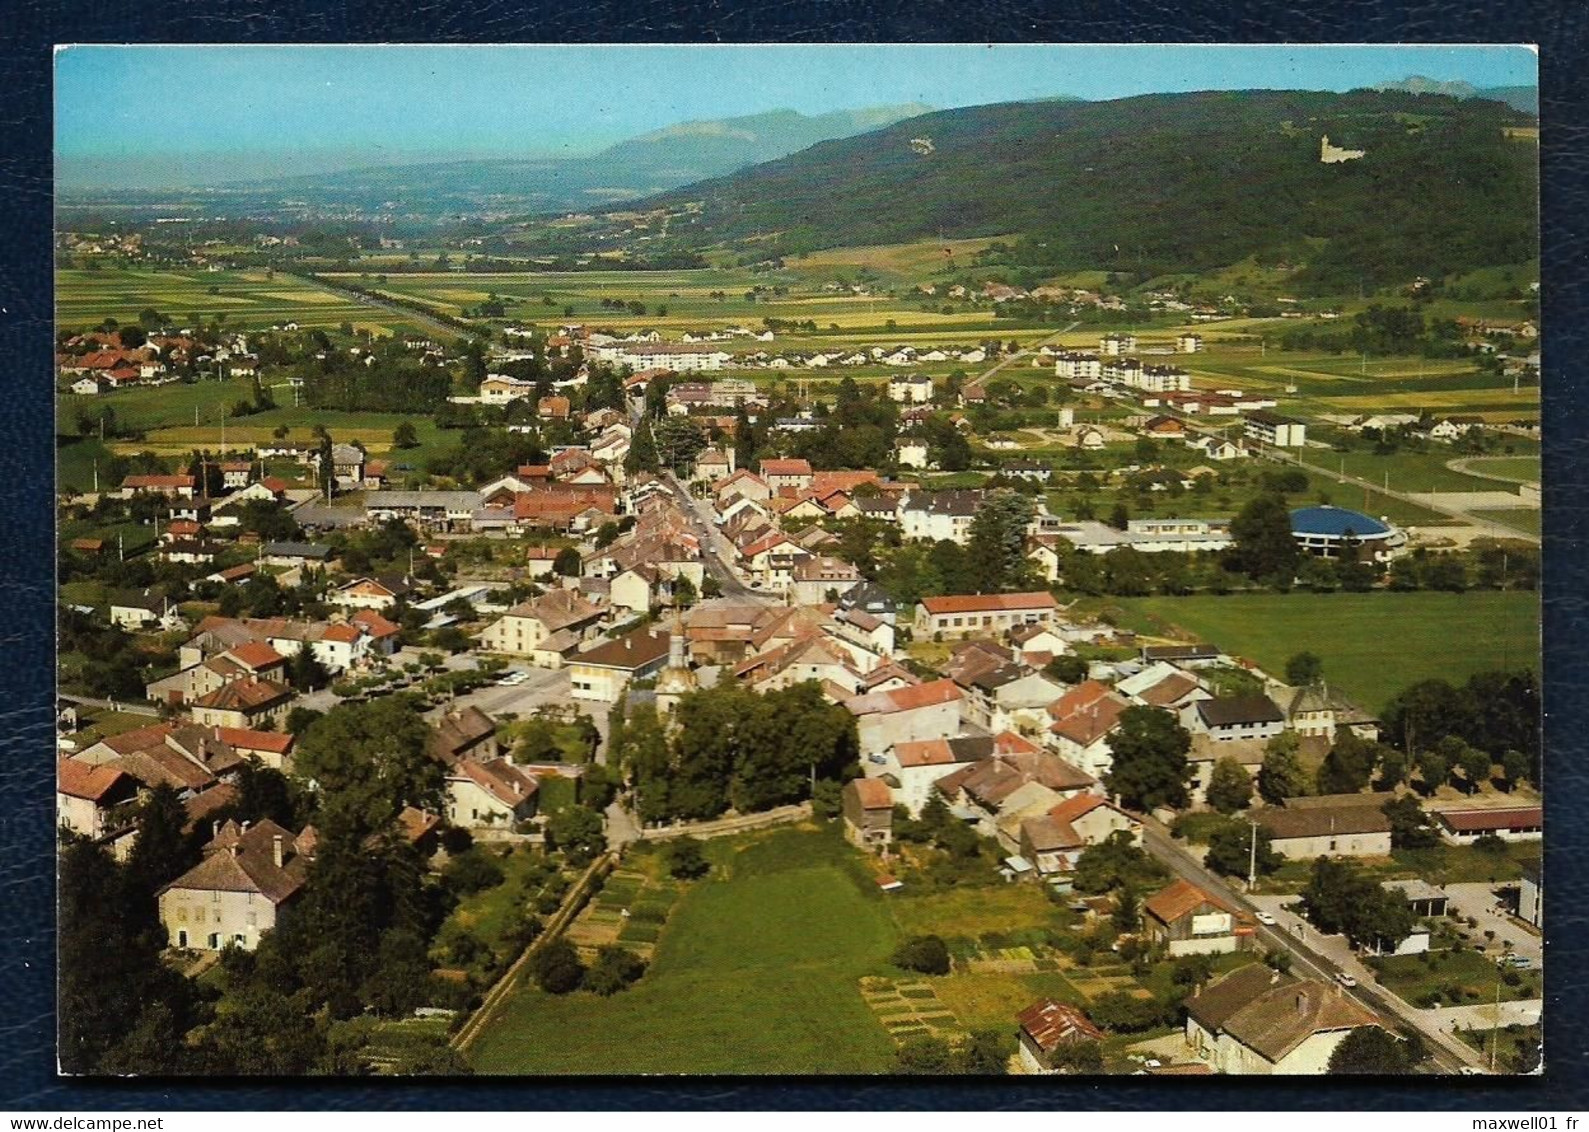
{"x":755,"y":973}
{"x":1373,"y":645}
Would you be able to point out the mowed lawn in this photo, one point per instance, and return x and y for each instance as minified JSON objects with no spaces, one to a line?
{"x":1373,"y":645}
{"x":757,"y":971}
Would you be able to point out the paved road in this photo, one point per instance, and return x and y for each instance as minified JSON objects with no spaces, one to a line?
{"x":1024,"y":352}
{"x":137,"y":707}
{"x":1448,"y":1054}
{"x":719,"y":551}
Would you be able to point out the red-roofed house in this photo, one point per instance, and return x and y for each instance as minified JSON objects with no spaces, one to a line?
{"x":87,"y":797}
{"x":780,"y":474}
{"x":868,"y":813}
{"x":1054,"y":840}
{"x":987,"y":614}
{"x":1084,"y":719}
{"x":924,"y":711}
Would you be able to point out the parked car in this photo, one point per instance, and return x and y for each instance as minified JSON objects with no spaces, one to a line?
{"x":1521,"y":962}
{"x":1266,"y":919}
{"x":1344,"y":979}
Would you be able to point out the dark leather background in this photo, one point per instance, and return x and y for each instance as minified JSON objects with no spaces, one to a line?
{"x":28,"y":28}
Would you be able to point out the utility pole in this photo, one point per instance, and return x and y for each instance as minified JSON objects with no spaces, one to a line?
{"x":96,"y":475}
{"x":1252,"y":858}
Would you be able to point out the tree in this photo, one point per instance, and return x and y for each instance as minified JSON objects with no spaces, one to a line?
{"x":1067,"y":669}
{"x":1234,"y":848}
{"x":306,"y":674}
{"x":983,"y":1053}
{"x":924,"y":1056}
{"x":577,"y":831}
{"x":1370,"y":1050}
{"x":1514,"y":767}
{"x":1303,"y":669}
{"x":1476,"y":766}
{"x":556,"y":968}
{"x":614,"y":969}
{"x":1126,"y":914}
{"x":1264,"y":549}
{"x":567,"y":564}
{"x":1434,"y":767}
{"x":1116,"y":862}
{"x":160,"y":852}
{"x":1339,"y":897}
{"x":404,"y":436}
{"x":1082,"y":1057}
{"x":1410,"y":827}
{"x":684,"y":859}
{"x":1229,"y":786}
{"x":925,"y":953}
{"x":369,"y":761}
{"x":1150,"y":766}
{"x":1349,"y":765}
{"x":997,"y":540}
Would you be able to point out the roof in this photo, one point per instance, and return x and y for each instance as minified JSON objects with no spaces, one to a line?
{"x":988,"y":603}
{"x":943,"y":752}
{"x":242,"y":859}
{"x":295,"y":550}
{"x":78,"y":779}
{"x":1180,"y":899}
{"x":240,"y":695}
{"x":786,"y":467}
{"x":557,"y":609}
{"x":279,"y":742}
{"x":255,"y":654}
{"x":1051,"y":1024}
{"x":1479,"y":821}
{"x":460,"y":729}
{"x":1283,"y":1015}
{"x":1354,"y":813}
{"x":631,"y":652}
{"x":1239,"y":709}
{"x":1326,"y":520}
{"x":1168,"y":690}
{"x":500,"y":779}
{"x":1087,"y":725}
{"x":872,"y":793}
{"x":931,"y":694}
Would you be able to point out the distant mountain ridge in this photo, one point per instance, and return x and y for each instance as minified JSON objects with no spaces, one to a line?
{"x":640,"y":166}
{"x":1524,"y":98}
{"x":1159,"y":183}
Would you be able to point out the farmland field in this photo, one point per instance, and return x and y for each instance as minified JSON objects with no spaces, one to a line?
{"x":250,"y":300}
{"x":755,"y":973}
{"x":1373,"y":645}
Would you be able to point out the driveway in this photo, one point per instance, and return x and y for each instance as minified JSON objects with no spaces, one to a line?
{"x":1477,"y":900}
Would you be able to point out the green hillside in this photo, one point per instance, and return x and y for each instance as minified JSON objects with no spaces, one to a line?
{"x":1180,"y":182}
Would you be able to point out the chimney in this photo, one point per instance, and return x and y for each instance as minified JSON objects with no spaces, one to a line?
{"x":275,"y":850}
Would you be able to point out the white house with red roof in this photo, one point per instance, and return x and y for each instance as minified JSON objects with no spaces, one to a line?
{"x":959,"y":615}
{"x":924,"y":711}
{"x":489,"y":795}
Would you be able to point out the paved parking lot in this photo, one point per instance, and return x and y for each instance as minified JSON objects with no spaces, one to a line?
{"x":1477,"y":900}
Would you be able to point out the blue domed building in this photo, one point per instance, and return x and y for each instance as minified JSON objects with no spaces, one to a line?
{"x":1325,"y":530}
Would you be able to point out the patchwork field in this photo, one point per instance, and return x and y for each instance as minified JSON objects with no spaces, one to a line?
{"x":249,"y":300}
{"x":1373,"y":645}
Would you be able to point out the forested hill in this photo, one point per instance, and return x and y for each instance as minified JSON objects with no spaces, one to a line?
{"x":1161,"y":183}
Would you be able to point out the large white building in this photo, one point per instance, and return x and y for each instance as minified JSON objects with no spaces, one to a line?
{"x":678,"y":357}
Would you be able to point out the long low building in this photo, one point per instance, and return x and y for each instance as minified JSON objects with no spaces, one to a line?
{"x":1330,"y":825}
{"x":963,"y":614}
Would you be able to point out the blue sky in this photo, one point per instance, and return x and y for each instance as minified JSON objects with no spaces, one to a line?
{"x":296,"y":109}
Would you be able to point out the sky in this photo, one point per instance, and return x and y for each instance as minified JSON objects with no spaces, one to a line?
{"x":172,"y":115}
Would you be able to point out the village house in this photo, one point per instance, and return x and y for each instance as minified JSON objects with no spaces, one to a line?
{"x":489,"y":795}
{"x":1084,"y":718}
{"x":464,"y":734}
{"x":248,"y":877}
{"x":1185,"y":920}
{"x":910,"y":769}
{"x":1046,"y":1028}
{"x":92,"y":800}
{"x":868,"y":811}
{"x":938,"y":515}
{"x":546,"y":629}
{"x":247,"y":704}
{"x":1054,"y":840}
{"x":786,"y":473}
{"x":1328,"y":825}
{"x":1259,"y":1021}
{"x":369,"y":593}
{"x":925,"y":711}
{"x":1234,"y":717}
{"x":990,"y":614}
{"x":604,"y":672}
